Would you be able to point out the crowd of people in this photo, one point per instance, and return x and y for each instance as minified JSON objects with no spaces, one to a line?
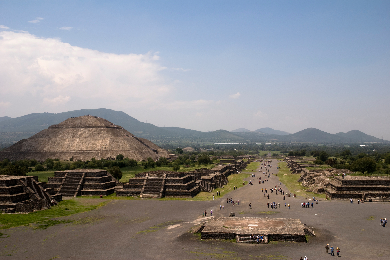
{"x":277,"y":190}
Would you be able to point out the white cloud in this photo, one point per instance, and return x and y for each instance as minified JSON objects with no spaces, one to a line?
{"x":185,"y":105}
{"x":235,"y":96}
{"x":60,"y":100}
{"x":37,"y":20}
{"x":260,"y":115}
{"x":66,"y":28}
{"x":3,"y":27}
{"x":180,"y":69}
{"x":4,"y":104}
{"x":50,"y":71}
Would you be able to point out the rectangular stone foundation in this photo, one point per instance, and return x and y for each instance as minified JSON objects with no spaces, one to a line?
{"x":246,"y":230}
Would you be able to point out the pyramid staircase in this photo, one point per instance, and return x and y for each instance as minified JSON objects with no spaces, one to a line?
{"x":153,"y":187}
{"x":72,"y":184}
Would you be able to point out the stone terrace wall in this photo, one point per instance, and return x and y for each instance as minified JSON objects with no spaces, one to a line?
{"x":23,"y":194}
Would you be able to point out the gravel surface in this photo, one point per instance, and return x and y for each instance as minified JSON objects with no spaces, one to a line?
{"x":153,"y":229}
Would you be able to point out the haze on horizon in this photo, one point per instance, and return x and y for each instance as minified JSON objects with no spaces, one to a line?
{"x":202,"y":65}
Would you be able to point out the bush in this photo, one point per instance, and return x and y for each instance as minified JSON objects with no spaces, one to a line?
{"x":39,"y":167}
{"x":116,"y":172}
{"x":363,"y":165}
{"x":120,"y":157}
{"x":176,"y":167}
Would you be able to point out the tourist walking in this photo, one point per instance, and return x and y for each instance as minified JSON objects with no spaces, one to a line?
{"x":327,"y":248}
{"x":338,"y":251}
{"x":332,"y":251}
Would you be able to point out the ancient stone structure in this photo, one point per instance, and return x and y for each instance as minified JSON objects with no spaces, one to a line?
{"x":83,"y":138}
{"x":338,"y":184}
{"x":24,"y":194}
{"x":81,"y":182}
{"x":359,"y":187}
{"x":246,"y":230}
{"x":158,"y":184}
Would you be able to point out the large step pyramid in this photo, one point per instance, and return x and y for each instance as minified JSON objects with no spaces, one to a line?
{"x":83,"y":138}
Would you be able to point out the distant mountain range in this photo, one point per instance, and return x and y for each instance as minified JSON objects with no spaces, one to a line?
{"x":266,"y":130}
{"x":15,"y":129}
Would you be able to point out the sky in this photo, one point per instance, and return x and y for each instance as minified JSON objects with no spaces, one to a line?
{"x":202,"y":65}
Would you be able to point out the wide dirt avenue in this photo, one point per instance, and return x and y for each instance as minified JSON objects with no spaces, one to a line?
{"x":161,"y":229}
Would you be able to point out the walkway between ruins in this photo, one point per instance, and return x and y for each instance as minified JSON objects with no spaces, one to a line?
{"x":154,"y":229}
{"x":253,"y":194}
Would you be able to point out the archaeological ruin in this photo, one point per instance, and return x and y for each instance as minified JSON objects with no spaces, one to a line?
{"x":158,"y":184}
{"x":339,"y":184}
{"x":255,"y":230}
{"x":81,"y":182}
{"x":365,"y":188}
{"x":83,"y":138}
{"x":23,"y":194}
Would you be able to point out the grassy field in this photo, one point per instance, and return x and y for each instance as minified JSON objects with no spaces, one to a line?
{"x":291,"y":182}
{"x":129,"y":172}
{"x":45,"y":218}
{"x":266,"y":153}
{"x":252,"y":166}
{"x":42,"y":176}
{"x":236,"y":180}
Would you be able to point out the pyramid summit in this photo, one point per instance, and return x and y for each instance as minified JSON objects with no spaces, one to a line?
{"x":83,"y":138}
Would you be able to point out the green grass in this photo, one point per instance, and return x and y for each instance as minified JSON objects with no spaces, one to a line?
{"x":292,"y":184}
{"x":262,"y":153}
{"x":42,"y":176}
{"x":371,"y":174}
{"x":233,"y":180}
{"x":46,"y":218}
{"x":252,"y":166}
{"x":319,"y":167}
{"x":130,"y":172}
{"x":111,"y":197}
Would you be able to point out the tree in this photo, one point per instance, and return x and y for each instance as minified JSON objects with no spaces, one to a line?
{"x":39,"y":167}
{"x":365,"y":164}
{"x":346,"y":153}
{"x":151,"y":163}
{"x":179,"y":150}
{"x":204,"y":159}
{"x":176,"y":167}
{"x":120,"y":157}
{"x":49,"y":164}
{"x":387,"y":159}
{"x":57,"y":166}
{"x":15,"y":170}
{"x":116,"y":172}
{"x":323,"y":156}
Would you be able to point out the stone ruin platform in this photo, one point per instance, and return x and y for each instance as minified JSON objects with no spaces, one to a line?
{"x":365,"y":188}
{"x":245,"y":230}
{"x":81,"y":182}
{"x":23,"y":194}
